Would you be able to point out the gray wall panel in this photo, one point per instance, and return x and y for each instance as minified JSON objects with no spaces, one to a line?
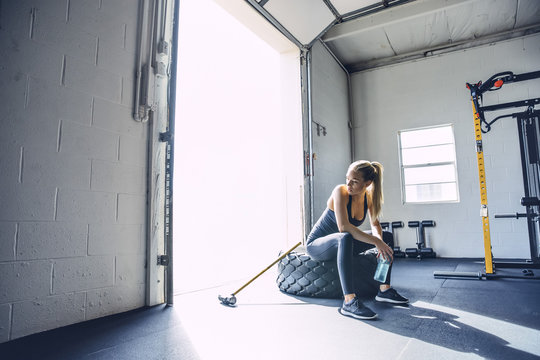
{"x":331,"y":110}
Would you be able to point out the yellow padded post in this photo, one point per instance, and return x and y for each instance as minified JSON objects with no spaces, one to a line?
{"x":488,"y":256}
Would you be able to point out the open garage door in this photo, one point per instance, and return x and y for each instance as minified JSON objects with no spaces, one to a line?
{"x":362,"y":35}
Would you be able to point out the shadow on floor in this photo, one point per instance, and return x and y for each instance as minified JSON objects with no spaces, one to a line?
{"x":469,"y":316}
{"x":147,"y":333}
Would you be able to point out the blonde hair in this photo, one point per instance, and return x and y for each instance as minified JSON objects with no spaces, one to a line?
{"x":372,"y":171}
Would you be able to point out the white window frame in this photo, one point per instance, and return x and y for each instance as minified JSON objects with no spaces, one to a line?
{"x":403,"y":167}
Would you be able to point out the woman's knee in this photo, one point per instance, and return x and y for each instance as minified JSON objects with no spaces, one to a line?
{"x":345,"y":242}
{"x":346,"y":238}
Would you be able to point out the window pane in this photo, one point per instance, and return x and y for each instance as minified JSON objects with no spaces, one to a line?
{"x":431,"y":192}
{"x":428,"y":164}
{"x":432,"y":154}
{"x":425,"y":137}
{"x":429,"y":174}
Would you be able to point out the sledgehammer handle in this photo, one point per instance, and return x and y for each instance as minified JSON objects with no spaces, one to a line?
{"x":269,"y":266}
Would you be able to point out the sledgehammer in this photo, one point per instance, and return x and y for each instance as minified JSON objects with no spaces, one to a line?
{"x":231,"y":300}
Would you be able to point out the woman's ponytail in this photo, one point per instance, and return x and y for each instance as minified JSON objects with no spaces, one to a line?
{"x":377,"y":197}
{"x":372,"y":171}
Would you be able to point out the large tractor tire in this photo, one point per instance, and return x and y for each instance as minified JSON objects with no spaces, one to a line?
{"x":299,"y":274}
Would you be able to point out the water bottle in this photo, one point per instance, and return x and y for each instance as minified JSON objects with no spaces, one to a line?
{"x":382,"y":269}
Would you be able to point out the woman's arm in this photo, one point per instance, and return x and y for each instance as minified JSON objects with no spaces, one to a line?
{"x":340,"y":197}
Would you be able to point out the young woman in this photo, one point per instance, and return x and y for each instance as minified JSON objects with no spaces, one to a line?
{"x":336,"y":234}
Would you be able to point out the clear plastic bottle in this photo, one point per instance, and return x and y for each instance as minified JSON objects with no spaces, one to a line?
{"x":382,"y":269}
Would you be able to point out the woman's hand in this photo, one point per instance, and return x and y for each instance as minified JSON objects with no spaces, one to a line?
{"x":384,"y":250}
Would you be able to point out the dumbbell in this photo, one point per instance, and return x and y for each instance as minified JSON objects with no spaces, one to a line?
{"x":421,"y":250}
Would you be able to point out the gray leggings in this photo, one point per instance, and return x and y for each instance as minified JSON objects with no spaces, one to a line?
{"x":342,"y":247}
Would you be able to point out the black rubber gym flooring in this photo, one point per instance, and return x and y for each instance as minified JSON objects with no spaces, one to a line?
{"x":446,"y":319}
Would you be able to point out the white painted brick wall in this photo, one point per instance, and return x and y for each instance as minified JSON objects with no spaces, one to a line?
{"x":49,"y":240}
{"x":75,"y":274}
{"x":10,"y":158}
{"x":431,"y":92}
{"x":8,"y":233}
{"x":128,"y":84}
{"x":40,"y":60}
{"x":72,"y":162}
{"x":129,"y":272}
{"x":13,"y":90}
{"x":24,"y":127}
{"x":131,"y":208}
{"x":5,"y":320}
{"x":115,"y":239}
{"x":114,"y":177}
{"x":132,"y":151}
{"x":113,"y":300}
{"x":15,"y":17}
{"x":62,"y":102}
{"x":116,"y":60}
{"x":116,"y":118}
{"x":28,"y":204}
{"x":82,"y":140}
{"x":91,"y":79}
{"x":66,"y":38}
{"x":94,"y":207}
{"x":25,"y":280}
{"x":51,"y":168}
{"x":38,"y":130}
{"x":46,"y":313}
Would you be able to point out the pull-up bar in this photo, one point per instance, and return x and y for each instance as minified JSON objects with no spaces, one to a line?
{"x":477,"y":90}
{"x":495,"y":83}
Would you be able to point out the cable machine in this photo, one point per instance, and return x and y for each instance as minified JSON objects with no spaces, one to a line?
{"x":528,"y":125}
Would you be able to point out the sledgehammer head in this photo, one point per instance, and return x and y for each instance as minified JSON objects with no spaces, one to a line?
{"x":229,"y":301}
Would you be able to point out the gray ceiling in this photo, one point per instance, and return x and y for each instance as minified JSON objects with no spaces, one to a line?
{"x":367,"y":33}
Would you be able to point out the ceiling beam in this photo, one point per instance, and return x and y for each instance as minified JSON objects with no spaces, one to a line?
{"x":444,"y":49}
{"x":371,"y":9}
{"x":408,"y":10}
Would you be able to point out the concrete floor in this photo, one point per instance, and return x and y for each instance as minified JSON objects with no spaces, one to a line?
{"x":447,"y":319}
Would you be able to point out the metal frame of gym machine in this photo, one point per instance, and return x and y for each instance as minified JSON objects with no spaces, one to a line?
{"x":528,"y":124}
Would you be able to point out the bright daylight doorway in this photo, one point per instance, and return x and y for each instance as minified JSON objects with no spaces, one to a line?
{"x":238,"y":167}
